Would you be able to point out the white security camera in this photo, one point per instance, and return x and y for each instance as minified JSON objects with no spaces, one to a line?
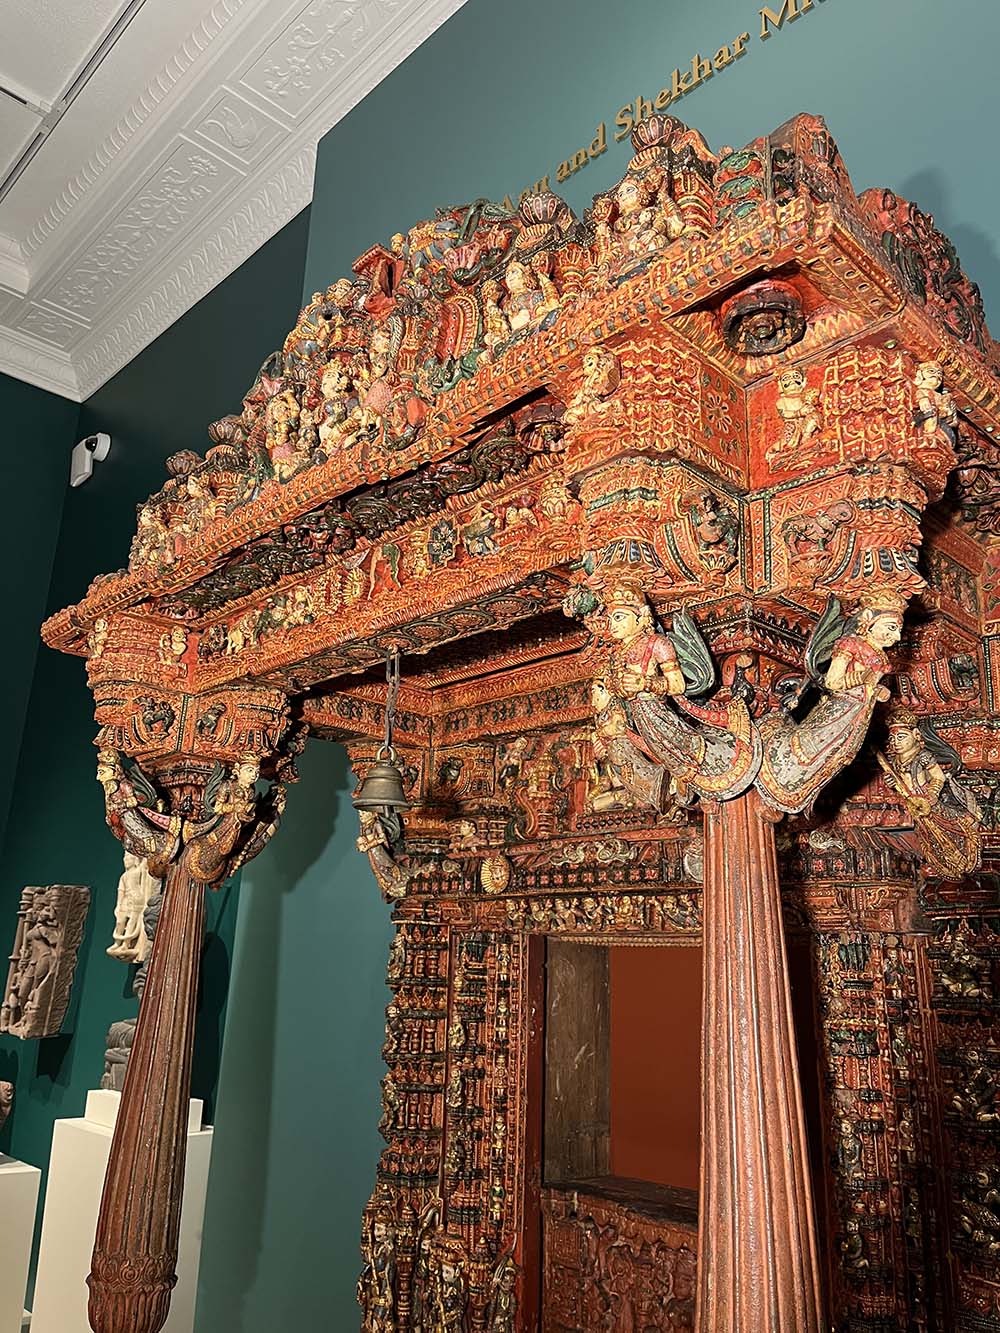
{"x":94,"y":449}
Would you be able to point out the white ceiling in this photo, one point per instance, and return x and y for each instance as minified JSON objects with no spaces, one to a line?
{"x":148,"y":147}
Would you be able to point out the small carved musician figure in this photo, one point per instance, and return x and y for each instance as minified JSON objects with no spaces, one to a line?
{"x":921,"y":768}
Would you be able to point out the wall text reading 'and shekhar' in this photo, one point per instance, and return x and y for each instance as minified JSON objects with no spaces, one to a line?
{"x":682,"y":82}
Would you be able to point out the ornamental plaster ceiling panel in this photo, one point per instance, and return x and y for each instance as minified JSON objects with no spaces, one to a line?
{"x":148,"y":148}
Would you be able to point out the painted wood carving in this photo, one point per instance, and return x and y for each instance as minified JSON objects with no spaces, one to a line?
{"x":682,"y":519}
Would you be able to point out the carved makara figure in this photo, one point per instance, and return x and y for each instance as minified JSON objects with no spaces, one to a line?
{"x":135,"y":888}
{"x":381,"y":840}
{"x":43,"y":960}
{"x":846,"y":660}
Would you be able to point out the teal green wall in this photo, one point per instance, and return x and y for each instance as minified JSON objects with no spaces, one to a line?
{"x":493,"y":101}
{"x":162,"y":401}
{"x":39,"y":429}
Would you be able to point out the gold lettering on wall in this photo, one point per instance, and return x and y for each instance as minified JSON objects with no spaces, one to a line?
{"x":684,"y":79}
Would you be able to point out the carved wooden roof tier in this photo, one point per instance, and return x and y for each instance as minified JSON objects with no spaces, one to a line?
{"x":418,"y":463}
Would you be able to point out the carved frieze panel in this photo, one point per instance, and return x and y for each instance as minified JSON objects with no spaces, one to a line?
{"x":50,"y":922}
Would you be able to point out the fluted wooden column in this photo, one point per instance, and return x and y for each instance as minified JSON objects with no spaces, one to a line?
{"x":135,"y":1250}
{"x":758,"y":1269}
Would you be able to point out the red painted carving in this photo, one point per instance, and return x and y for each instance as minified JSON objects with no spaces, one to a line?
{"x":653,"y":507}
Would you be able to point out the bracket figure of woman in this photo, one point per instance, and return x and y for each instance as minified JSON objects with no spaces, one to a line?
{"x":845,"y":661}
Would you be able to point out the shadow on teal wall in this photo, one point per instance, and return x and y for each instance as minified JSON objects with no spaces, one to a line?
{"x":298,"y":1107}
{"x":39,"y":430}
{"x":162,"y":401}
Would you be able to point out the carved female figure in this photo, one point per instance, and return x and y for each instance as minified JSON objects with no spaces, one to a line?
{"x":717,"y":752}
{"x":530,"y":295}
{"x":800,"y":757}
{"x":945,"y":830}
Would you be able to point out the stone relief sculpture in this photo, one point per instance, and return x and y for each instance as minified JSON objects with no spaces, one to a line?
{"x":135,"y":888}
{"x":6,"y":1101}
{"x":119,"y":1046}
{"x":50,"y":923}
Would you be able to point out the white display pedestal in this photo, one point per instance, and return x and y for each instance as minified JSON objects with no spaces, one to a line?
{"x":80,"y":1150}
{"x":18,"y":1200}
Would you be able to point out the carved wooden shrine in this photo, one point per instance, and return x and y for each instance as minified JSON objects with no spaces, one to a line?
{"x":684,"y":521}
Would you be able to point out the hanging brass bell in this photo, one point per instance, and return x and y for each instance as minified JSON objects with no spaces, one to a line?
{"x":382,"y":786}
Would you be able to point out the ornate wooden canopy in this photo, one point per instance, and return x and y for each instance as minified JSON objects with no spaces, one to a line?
{"x":605,"y":486}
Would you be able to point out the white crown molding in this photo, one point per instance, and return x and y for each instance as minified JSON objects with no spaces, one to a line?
{"x":165,"y":81}
{"x":14,"y":276}
{"x":215,"y":157}
{"x":36,"y":362}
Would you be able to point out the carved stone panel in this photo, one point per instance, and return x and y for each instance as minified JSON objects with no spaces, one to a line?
{"x":50,"y":923}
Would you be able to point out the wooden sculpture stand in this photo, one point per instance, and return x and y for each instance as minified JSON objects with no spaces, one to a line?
{"x":653,"y":507}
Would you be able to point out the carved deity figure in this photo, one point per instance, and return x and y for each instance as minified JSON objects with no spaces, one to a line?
{"x":602,"y":375}
{"x":801,"y":757}
{"x":936,"y":408}
{"x":422,"y":1284}
{"x":135,"y":888}
{"x":798,"y":407}
{"x":502,"y":1308}
{"x":120,"y":1037}
{"x":637,"y":221}
{"x":921,"y":768}
{"x":377,"y":1283}
{"x":283,"y":424}
{"x":962,"y":972}
{"x":531,"y":294}
{"x":173,"y":646}
{"x":977,"y":1092}
{"x":6,"y":1101}
{"x":704,"y":748}
{"x":340,"y":415}
{"x":97,"y":639}
{"x":449,"y":1294}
